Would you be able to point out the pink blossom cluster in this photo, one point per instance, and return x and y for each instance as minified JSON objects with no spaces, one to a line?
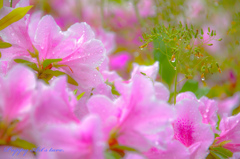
{"x":135,"y":122}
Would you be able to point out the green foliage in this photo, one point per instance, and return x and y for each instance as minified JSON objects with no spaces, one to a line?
{"x":14,"y":16}
{"x":4,"y":45}
{"x":47,"y":62}
{"x":219,"y":153}
{"x":80,"y":95}
{"x":23,"y":144}
{"x":166,"y":69}
{"x":27,"y":63}
{"x":175,"y":48}
{"x":112,"y":155}
{"x":114,"y":91}
{"x":192,"y":86}
{"x":1,"y":4}
{"x":124,"y":148}
{"x":49,"y":73}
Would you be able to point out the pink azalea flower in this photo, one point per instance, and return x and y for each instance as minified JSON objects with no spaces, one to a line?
{"x":134,"y":114}
{"x":174,"y":149}
{"x":77,"y":47}
{"x":207,"y":107}
{"x":190,"y":130}
{"x":230,"y":130}
{"x":152,"y":71}
{"x":164,"y":146}
{"x":82,"y":141}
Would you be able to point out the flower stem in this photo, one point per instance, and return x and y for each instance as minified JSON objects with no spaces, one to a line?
{"x":135,"y":2}
{"x":175,"y":87}
{"x":10,"y":3}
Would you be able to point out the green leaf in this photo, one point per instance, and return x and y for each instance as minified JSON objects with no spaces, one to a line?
{"x":4,"y":45}
{"x":75,"y":91}
{"x":80,"y":95}
{"x":72,"y":81}
{"x":216,"y":155}
{"x":50,"y":61}
{"x":112,"y":155}
{"x":124,"y":148}
{"x":59,"y":73}
{"x":23,"y":144}
{"x":190,"y":85}
{"x":13,"y":16}
{"x":202,"y":92}
{"x":160,"y":51}
{"x":1,"y":4}
{"x":27,"y":63}
{"x":222,"y":152}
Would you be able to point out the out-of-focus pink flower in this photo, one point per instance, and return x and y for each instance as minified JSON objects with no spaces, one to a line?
{"x":53,"y":104}
{"x":190,"y":130}
{"x":119,"y":61}
{"x":82,"y":141}
{"x":230,"y":130}
{"x":236,"y":155}
{"x":150,"y":71}
{"x":134,"y":114}
{"x":226,"y":106}
{"x":107,"y":38}
{"x":16,"y":94}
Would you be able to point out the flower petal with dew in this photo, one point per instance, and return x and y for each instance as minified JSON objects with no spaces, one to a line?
{"x":189,"y":129}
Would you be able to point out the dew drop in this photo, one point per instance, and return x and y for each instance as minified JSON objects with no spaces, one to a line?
{"x":203,"y":78}
{"x":173,"y":60}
